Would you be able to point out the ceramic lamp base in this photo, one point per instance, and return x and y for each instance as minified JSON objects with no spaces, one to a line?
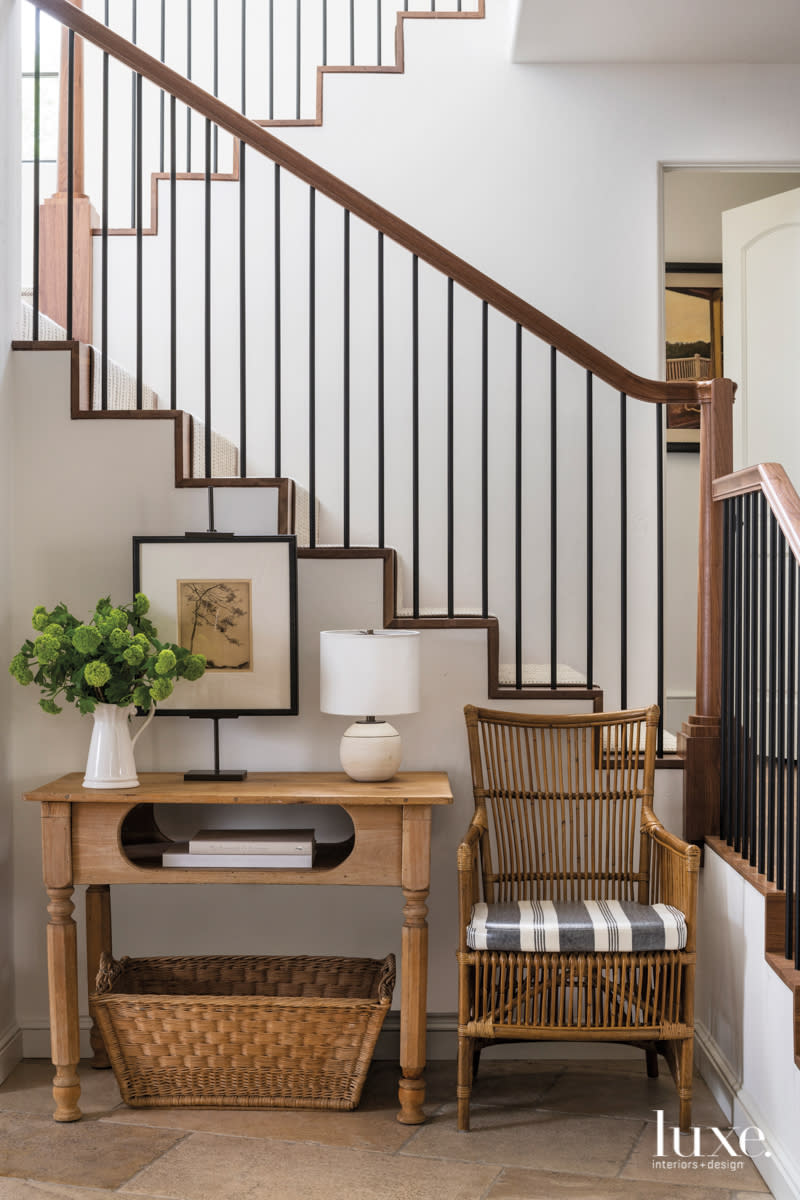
{"x":370,"y":751}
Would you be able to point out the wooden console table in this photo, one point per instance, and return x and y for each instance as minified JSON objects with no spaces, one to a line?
{"x":85,"y":836}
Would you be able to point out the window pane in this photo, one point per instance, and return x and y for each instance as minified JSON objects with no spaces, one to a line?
{"x":49,"y":41}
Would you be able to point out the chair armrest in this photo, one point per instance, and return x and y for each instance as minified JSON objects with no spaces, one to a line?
{"x":468,"y":878}
{"x":674,"y":869}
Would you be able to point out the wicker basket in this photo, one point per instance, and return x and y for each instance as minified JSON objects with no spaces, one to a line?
{"x":242,"y":1032}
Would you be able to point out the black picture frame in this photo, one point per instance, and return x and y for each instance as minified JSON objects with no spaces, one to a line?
{"x":267,"y":566}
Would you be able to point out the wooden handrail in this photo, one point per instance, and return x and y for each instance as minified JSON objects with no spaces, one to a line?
{"x":482,"y":286}
{"x":771,"y":479}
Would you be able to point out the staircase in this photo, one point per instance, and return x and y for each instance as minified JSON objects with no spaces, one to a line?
{"x":427,"y":414}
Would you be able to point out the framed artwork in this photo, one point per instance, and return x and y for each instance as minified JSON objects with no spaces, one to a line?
{"x":693,"y":329}
{"x":234,"y":600}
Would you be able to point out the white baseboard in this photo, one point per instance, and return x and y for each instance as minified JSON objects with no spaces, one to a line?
{"x":10,"y":1050}
{"x":781,"y":1170}
{"x":36,"y":1038}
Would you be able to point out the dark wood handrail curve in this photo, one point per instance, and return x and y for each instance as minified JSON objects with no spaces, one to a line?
{"x":513,"y":306}
{"x":778,"y":489}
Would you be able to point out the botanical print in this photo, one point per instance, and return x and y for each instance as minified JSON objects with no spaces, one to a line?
{"x":214,"y":619}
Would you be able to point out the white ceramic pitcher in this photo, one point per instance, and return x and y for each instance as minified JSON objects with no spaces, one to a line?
{"x":110,"y":763}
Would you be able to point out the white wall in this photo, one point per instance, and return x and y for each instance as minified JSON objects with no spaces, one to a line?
{"x":745,"y":1023}
{"x":9,"y":288}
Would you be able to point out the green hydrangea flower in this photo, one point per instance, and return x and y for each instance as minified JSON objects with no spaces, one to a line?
{"x":165,"y":662}
{"x":119,"y":639}
{"x":141,"y":639}
{"x":47,"y":648}
{"x":134,"y":655}
{"x":115,"y":618}
{"x":97,"y":673}
{"x":86,"y":639}
{"x":194,"y":666}
{"x":40,"y":618}
{"x":141,"y":604}
{"x":53,"y":630}
{"x":141,"y":696}
{"x":49,"y":706}
{"x":18,"y":667}
{"x":161,"y":688}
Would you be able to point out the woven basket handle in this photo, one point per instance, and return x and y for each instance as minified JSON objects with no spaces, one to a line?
{"x":387,"y":978}
{"x":109,"y":972}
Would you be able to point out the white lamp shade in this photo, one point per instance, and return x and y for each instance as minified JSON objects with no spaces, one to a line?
{"x":369,"y":674}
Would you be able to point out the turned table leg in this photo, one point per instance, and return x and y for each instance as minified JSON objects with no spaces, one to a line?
{"x":62,"y":971}
{"x":98,"y":939}
{"x":62,"y":959}
{"x":414,"y":964}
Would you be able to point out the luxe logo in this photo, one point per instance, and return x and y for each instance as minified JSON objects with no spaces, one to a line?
{"x":727,"y":1152}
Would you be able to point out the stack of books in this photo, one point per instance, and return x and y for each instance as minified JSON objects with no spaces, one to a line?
{"x":293,"y":848}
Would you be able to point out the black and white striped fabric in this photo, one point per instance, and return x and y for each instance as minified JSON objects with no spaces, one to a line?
{"x":576,"y":926}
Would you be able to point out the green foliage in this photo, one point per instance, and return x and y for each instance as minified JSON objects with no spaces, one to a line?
{"x":114,"y":658}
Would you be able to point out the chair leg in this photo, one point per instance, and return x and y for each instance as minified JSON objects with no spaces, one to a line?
{"x":476,"y":1062}
{"x":464,"y":1084}
{"x":685,"y":1062}
{"x":651,"y":1055}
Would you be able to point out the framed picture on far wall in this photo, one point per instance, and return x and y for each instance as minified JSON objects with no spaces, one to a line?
{"x":234,"y":600}
{"x":693,"y":328}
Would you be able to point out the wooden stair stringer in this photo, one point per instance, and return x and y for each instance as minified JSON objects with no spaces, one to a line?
{"x":81,"y":357}
{"x":232,"y":176}
{"x":495,"y":690}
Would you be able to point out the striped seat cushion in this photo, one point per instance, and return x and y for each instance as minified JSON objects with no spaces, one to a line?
{"x":576,"y":926}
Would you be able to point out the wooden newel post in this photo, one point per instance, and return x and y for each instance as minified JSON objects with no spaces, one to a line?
{"x":53,"y":230}
{"x":699,"y":739}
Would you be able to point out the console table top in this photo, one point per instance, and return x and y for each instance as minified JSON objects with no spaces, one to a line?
{"x":260,"y":787}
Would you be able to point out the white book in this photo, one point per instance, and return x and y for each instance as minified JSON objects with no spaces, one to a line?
{"x":252,"y":841}
{"x":181,"y":856}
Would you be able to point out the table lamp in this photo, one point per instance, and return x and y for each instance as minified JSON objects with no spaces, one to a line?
{"x":369,"y":673}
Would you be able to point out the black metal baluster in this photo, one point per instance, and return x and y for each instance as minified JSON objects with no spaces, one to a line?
{"x":725,"y":683}
{"x":271,"y":92}
{"x":623,"y":547}
{"x":735,"y":840}
{"x":589,"y":529}
{"x":790,"y":877}
{"x":780,"y":813}
{"x":70,"y":175}
{"x":207,"y":297}
{"x":757,"y":616}
{"x":485,"y":460}
{"x":173,"y":254}
{"x":161,"y":106}
{"x":188,"y":76}
{"x":747,"y":675}
{"x":553,"y":518}
{"x":518,"y":513}
{"x":379,"y":24}
{"x":346,"y":387}
{"x":450,"y":457}
{"x":215,"y":72}
{"x":242,"y":313}
{"x":134,"y":117}
{"x":415,"y":433}
{"x":660,"y":574}
{"x":139,"y":256}
{"x":277,"y":308}
{"x":103,"y":239}
{"x":324,"y":33}
{"x":299,"y":47}
{"x":381,"y":400}
{"x":773,"y":697}
{"x":37,"y":72}
{"x":312,"y":368}
{"x":243,"y":67}
{"x":759,"y":800}
{"x":352,"y":34}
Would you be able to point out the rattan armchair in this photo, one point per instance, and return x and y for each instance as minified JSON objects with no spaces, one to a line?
{"x":563,"y":816}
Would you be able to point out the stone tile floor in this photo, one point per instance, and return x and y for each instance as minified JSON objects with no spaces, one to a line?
{"x":540,"y":1131}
